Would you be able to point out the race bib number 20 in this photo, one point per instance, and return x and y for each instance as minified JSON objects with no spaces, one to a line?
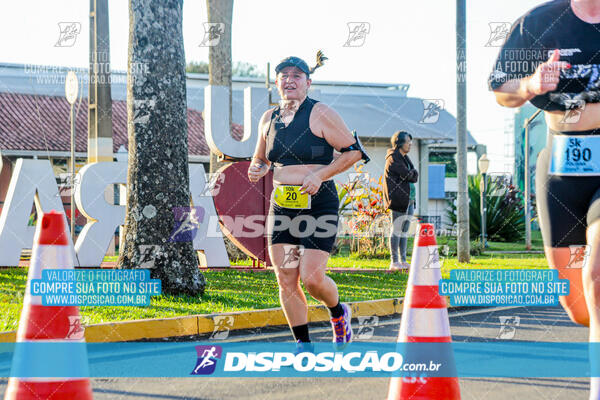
{"x":289,"y":196}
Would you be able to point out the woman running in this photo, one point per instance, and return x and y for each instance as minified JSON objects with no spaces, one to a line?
{"x":299,"y":137}
{"x":551,"y":58}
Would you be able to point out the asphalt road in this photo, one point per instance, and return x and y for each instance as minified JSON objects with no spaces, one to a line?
{"x":548,"y":324}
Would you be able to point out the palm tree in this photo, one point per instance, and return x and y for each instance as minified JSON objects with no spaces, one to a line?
{"x":158,"y":192}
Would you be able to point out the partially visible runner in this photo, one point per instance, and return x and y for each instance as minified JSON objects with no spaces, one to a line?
{"x":552,"y":59}
{"x":299,"y":138}
{"x":399,"y":180}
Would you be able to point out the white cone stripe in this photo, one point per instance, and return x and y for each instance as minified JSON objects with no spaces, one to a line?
{"x":424,"y":270}
{"x":45,"y":257}
{"x":425,"y":322}
{"x":49,"y":380}
{"x":53,"y":340}
{"x":594,"y":388}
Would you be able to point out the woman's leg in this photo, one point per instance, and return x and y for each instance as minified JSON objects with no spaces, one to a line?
{"x":395,"y":236}
{"x":591,"y":286}
{"x":323,"y":288}
{"x":591,"y":280}
{"x":291,"y":294}
{"x":562,"y":218}
{"x":404,"y":232}
{"x":312,"y":272}
{"x":561,"y":259}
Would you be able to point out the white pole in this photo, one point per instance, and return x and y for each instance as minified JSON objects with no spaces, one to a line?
{"x":71,"y":91}
{"x":462,"y":241}
{"x":72,"y":173}
{"x":527,"y":179}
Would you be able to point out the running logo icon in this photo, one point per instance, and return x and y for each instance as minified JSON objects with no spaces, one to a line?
{"x":212,"y":33}
{"x":357,"y":182}
{"x":431,"y":111}
{"x":76,"y":330}
{"x":207,"y":359}
{"x":508,"y":327}
{"x":498,"y":33}
{"x":141,"y":111}
{"x":434,"y":261}
{"x":292,"y":254}
{"x":357,"y":33}
{"x":68,"y":34}
{"x":578,"y":256}
{"x":187,"y":220}
{"x":67,"y":184}
{"x":574,"y":111}
{"x":222,"y":325}
{"x":213,"y":184}
{"x":366,"y":326}
{"x":148,"y":253}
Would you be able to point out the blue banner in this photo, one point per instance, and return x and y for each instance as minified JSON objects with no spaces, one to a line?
{"x":504,"y":287}
{"x":95,"y":287}
{"x":262,"y":359}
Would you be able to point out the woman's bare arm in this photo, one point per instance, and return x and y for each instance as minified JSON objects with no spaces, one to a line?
{"x":259,"y":166}
{"x":333,"y":129}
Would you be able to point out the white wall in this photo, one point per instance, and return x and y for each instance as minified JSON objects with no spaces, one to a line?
{"x":439,"y":207}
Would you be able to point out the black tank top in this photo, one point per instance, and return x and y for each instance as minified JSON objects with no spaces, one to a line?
{"x":296,"y":144}
{"x":531,"y":40}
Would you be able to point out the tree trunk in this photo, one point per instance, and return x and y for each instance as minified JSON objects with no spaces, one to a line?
{"x":158,"y":192}
{"x":219,"y":56}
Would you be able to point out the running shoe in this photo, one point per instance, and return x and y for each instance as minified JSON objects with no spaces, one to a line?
{"x":342,"y":328}
{"x":304,"y":347}
{"x":395,"y":266}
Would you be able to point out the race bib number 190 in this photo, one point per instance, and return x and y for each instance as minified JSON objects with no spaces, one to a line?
{"x":575,"y":155}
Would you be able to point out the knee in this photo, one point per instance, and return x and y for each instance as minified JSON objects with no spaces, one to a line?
{"x":591,"y":279}
{"x":288,"y":282}
{"x":397,"y":223}
{"x":313,"y":283}
{"x":576,"y":310}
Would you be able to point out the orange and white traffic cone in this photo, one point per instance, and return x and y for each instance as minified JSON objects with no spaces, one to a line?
{"x":41,"y":323}
{"x":425,"y":320}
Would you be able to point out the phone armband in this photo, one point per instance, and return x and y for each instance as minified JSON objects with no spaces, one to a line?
{"x":357,"y":146}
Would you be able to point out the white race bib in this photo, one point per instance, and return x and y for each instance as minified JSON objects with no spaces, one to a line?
{"x":575,"y":155}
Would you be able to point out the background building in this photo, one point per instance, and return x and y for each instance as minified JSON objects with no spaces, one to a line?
{"x":34,"y":123}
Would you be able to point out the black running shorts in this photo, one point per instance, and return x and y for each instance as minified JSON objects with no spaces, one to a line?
{"x":566,"y":205}
{"x":313,"y":228}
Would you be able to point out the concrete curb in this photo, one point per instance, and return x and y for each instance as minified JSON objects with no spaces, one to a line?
{"x":203,"y":324}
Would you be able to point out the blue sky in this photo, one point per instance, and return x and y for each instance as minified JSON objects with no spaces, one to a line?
{"x":408,"y":42}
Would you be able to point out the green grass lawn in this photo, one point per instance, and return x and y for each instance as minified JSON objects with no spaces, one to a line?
{"x":383,"y":260}
{"x":482,"y":261}
{"x":226,"y":291}
{"x":536,"y":243}
{"x":237,"y":290}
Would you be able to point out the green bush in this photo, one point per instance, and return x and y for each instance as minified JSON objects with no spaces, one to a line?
{"x":505,"y":219}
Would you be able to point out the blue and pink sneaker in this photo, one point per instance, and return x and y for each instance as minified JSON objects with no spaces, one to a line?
{"x":342,"y":328}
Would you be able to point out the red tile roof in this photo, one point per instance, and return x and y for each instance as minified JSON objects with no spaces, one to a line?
{"x":41,"y":123}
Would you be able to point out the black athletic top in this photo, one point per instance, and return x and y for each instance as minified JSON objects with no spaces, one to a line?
{"x":296,"y":144}
{"x":531,"y":41}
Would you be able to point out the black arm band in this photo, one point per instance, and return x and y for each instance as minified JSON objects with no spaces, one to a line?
{"x":357,"y":146}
